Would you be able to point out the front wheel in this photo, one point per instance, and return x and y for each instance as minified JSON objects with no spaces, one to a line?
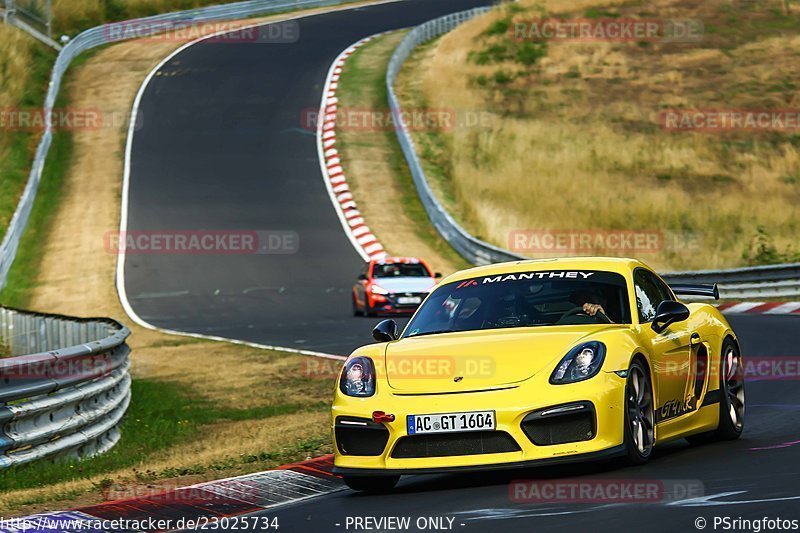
{"x":356,"y":310}
{"x":639,"y":414}
{"x":375,"y":484}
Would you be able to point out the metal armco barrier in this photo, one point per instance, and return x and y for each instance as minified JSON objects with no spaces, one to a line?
{"x":754,"y":282}
{"x":107,"y":34}
{"x":473,"y":250}
{"x":65,"y":387}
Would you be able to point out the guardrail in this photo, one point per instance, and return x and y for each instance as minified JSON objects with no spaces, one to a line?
{"x":754,"y":282}
{"x":64,"y":385}
{"x":106,"y":34}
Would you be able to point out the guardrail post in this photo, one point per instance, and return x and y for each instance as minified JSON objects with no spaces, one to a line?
{"x":8,"y":15}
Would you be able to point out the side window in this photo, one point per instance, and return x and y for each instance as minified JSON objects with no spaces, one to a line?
{"x":650,"y":292}
{"x":365,"y":269}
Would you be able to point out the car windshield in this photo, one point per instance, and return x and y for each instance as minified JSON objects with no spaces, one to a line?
{"x":523,"y":299}
{"x":400,"y":270}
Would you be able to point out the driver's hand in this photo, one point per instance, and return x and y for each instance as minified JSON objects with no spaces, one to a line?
{"x":592,"y":309}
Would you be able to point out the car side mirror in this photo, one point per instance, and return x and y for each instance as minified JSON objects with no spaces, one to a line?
{"x":437,"y":275}
{"x":362,"y":277}
{"x":669,"y":312}
{"x":385,"y":331}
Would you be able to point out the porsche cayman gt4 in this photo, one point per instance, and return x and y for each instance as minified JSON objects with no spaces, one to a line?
{"x":537,"y":362}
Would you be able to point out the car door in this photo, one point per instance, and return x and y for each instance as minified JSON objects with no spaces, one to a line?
{"x":671,"y":350}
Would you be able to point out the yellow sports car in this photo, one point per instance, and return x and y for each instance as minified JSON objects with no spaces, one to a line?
{"x":536,"y":362}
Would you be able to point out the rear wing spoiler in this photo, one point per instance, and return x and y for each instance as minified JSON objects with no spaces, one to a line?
{"x":696,"y":289}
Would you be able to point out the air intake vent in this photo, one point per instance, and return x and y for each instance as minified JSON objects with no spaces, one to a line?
{"x":561,"y":424}
{"x":360,"y":436}
{"x":452,"y":444}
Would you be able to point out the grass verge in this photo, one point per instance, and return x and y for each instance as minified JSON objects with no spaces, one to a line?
{"x":576,"y":142}
{"x":376,"y":169}
{"x":24,"y":72}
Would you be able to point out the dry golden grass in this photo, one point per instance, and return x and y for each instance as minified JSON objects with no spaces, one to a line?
{"x":16,"y":52}
{"x":16,"y":57}
{"x":576,"y":142}
{"x":72,"y":16}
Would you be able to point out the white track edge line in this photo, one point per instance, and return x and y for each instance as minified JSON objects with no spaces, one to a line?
{"x":123,"y":222}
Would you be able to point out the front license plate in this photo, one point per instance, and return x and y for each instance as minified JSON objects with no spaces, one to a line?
{"x":407,"y":300}
{"x":451,"y":422}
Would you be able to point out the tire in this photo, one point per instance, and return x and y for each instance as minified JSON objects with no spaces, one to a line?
{"x":639,"y":415}
{"x":732,"y":398}
{"x":356,"y":310}
{"x":372,"y":484}
{"x":368,"y":310}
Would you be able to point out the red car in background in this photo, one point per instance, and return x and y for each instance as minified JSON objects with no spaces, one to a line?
{"x":395,"y":285}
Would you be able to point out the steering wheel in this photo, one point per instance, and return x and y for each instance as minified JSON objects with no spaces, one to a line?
{"x":601,"y":316}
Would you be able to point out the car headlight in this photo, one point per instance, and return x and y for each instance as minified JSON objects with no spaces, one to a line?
{"x":358,"y":377}
{"x":379,"y":290}
{"x":582,"y":362}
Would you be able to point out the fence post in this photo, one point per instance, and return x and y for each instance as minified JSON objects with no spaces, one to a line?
{"x":8,"y":16}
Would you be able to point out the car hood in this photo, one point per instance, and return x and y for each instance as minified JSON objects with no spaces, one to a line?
{"x":482,"y":359}
{"x":410,"y":284}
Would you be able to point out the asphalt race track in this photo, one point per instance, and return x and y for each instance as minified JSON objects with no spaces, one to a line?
{"x":221,"y":148}
{"x":760,"y":471}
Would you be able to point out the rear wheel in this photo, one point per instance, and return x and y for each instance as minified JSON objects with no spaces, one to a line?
{"x":731,"y":405}
{"x":639,"y":414}
{"x":731,"y":402}
{"x":375,"y":484}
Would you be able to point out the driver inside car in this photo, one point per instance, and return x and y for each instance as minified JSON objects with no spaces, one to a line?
{"x":591,"y":302}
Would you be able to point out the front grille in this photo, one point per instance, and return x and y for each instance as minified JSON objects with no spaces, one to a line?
{"x":545,"y":429}
{"x":450,"y":444}
{"x":393,"y":298}
{"x":360,"y":436}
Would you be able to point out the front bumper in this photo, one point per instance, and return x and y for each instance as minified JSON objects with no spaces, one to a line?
{"x":608,"y":453}
{"x":605,"y":392}
{"x":389,"y":304}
